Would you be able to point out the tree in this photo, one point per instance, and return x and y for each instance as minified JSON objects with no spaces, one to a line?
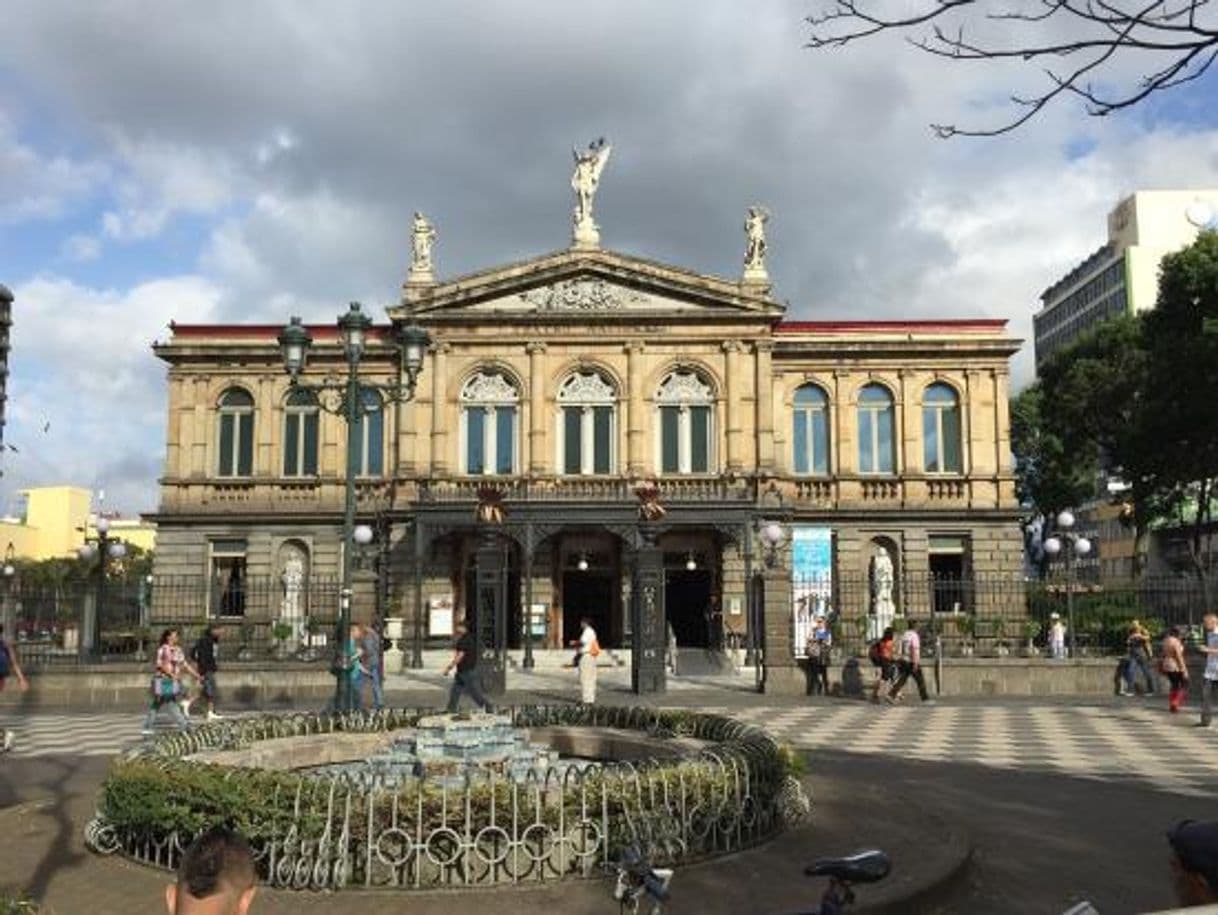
{"x":1179,"y":413}
{"x":1083,"y":45}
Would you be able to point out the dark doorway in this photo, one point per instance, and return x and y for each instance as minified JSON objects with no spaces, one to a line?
{"x":687,"y":603}
{"x":949,"y":586}
{"x":587,"y":594}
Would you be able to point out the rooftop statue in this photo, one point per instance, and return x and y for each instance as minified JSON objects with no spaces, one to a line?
{"x":588,"y":168}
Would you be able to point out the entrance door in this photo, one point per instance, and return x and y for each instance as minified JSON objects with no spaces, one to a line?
{"x":687,"y":602}
{"x":587,"y":594}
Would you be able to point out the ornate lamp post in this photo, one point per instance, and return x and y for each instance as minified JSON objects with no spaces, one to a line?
{"x":773,"y":536}
{"x":10,"y":582}
{"x":1074,"y":545}
{"x":105,"y":548}
{"x":345,"y":399}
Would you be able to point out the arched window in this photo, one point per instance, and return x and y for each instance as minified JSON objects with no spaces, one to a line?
{"x":586,"y":432}
{"x":488,"y":423}
{"x":236,"y":434}
{"x":368,"y":435}
{"x":810,"y":433}
{"x":941,"y":429}
{"x":300,"y":417}
{"x":877,"y":438}
{"x":686,"y":405}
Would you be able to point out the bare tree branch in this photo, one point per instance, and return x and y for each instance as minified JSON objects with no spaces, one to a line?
{"x":1178,"y":39}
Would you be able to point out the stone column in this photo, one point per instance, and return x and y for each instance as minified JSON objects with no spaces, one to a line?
{"x":537,"y":408}
{"x":636,"y":440}
{"x":843,"y":446}
{"x":765,"y":405}
{"x":439,"y":423}
{"x":782,"y":675}
{"x":910,"y":419}
{"x":731,"y":374}
{"x":203,"y":418}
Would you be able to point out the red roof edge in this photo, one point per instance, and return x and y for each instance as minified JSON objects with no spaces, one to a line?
{"x":945,"y":325}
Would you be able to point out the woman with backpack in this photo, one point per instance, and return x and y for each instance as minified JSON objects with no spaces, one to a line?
{"x":881,"y":654}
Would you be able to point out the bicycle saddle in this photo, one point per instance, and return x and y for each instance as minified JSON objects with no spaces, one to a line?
{"x":864,"y":867}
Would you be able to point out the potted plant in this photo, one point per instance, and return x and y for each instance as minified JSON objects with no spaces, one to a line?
{"x":966,"y":625}
{"x":245,"y":635}
{"x":1000,"y":637}
{"x":281,"y":631}
{"x":1031,"y":629}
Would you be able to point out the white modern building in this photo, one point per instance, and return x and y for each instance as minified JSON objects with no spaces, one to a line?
{"x":1122,"y":275}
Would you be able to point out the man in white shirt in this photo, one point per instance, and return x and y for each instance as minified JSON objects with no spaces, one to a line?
{"x":589,"y":650}
{"x":1209,"y":684}
{"x":909,"y":663}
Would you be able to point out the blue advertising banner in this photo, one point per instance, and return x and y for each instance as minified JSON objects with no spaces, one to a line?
{"x":811,"y":580}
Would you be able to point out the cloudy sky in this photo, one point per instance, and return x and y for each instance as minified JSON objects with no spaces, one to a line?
{"x":244,"y":162}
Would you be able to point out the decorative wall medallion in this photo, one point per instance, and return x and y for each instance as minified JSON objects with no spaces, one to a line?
{"x":581,"y":295}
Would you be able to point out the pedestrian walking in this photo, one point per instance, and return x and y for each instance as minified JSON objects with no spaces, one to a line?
{"x":589,"y":652}
{"x":167,"y":683}
{"x":203,"y":654}
{"x":909,"y":664}
{"x":10,"y":666}
{"x":1209,"y":682}
{"x":372,"y":665}
{"x":1057,"y":637}
{"x":1138,"y":643}
{"x":881,"y":654}
{"x":817,"y":647}
{"x":353,"y":667}
{"x":216,"y":875}
{"x":1172,"y":666}
{"x":465,"y":663}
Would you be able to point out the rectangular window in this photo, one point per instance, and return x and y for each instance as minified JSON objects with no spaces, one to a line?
{"x":820,"y":442}
{"x":373,"y":464}
{"x":245,"y":444}
{"x":802,"y":464}
{"x":310,"y":445}
{"x":572,"y":426}
{"x":475,"y":444}
{"x":602,"y":443}
{"x":952,"y":462}
{"x":291,"y":445}
{"x":670,"y":454}
{"x":867,"y":462}
{"x":228,"y":428}
{"x":930,"y":440}
{"x":884,"y":444}
{"x":699,"y":429}
{"x":505,"y":425}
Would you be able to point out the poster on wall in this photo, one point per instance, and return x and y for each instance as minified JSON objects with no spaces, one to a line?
{"x":811,"y":580}
{"x":440,"y":614}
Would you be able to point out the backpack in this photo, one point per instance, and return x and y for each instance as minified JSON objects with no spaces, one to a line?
{"x":875,"y":654}
{"x":6,"y":665}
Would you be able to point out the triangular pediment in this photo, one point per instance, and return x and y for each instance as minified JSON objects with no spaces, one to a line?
{"x":582,"y":284}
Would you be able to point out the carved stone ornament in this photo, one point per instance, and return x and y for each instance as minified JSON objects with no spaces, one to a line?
{"x":586,"y":387}
{"x":489,"y":387}
{"x":684,"y":388}
{"x":580,"y":295}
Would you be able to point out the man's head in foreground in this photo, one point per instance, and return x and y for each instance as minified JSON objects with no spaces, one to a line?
{"x":1195,"y":862}
{"x":216,"y":876}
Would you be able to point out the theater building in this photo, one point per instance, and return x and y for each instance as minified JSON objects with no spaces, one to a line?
{"x":557,"y":387}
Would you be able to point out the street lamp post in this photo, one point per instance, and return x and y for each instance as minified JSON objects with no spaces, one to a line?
{"x":347,"y":401}
{"x":773,"y":535}
{"x":105,"y":548}
{"x":1073,"y":545}
{"x":10,"y":580}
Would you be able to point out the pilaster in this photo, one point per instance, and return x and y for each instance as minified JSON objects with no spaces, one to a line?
{"x":536,"y":460}
{"x":735,"y":407}
{"x":636,"y":441}
{"x":765,"y":405}
{"x":439,"y":397}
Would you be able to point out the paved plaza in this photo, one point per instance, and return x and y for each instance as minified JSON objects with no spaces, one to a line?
{"x":1003,"y":805}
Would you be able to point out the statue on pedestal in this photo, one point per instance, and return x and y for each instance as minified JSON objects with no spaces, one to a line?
{"x":422,"y":237}
{"x":755,"y":245}
{"x":883,"y":610}
{"x":588,"y":168}
{"x":293,"y":582}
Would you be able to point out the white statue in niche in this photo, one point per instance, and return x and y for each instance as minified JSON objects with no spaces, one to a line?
{"x":585,"y":180}
{"x":755,"y":245}
{"x":293,"y":583}
{"x":422,"y":237}
{"x":883,"y":610}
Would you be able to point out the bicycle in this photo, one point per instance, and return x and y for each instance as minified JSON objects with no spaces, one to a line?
{"x":638,"y":880}
{"x":863,"y":867}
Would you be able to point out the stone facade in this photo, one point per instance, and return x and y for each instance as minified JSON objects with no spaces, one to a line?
{"x":566,"y":382}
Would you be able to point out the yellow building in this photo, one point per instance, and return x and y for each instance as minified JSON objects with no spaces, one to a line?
{"x":57,"y":519}
{"x":558,"y":387}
